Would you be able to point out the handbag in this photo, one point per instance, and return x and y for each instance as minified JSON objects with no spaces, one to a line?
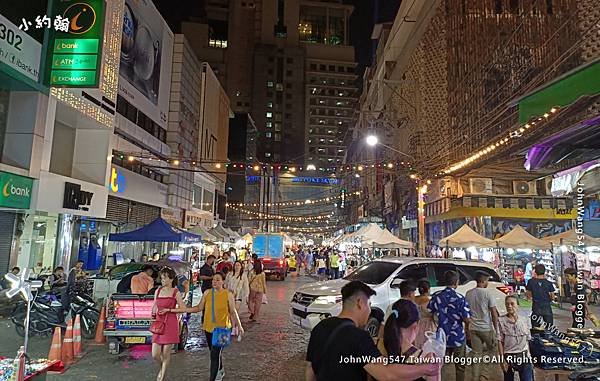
{"x":221,"y":336}
{"x":158,"y":327}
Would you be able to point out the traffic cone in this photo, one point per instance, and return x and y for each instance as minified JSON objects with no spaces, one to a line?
{"x":77,"y":344}
{"x":67,"y":345}
{"x":55,"y":348}
{"x":100,"y":338}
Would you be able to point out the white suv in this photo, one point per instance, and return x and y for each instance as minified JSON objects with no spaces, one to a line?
{"x":316,"y":301}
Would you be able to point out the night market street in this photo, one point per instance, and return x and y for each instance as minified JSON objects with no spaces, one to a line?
{"x":273,"y":349}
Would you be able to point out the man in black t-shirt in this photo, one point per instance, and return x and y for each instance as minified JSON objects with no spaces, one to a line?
{"x":340,"y":349}
{"x":206,"y":273}
{"x":541,"y":290}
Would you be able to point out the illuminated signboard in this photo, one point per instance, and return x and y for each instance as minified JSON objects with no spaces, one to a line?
{"x":316,"y":180}
{"x":117,"y":181}
{"x":76,"y":55}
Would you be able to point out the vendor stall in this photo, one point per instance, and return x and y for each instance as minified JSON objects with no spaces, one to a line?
{"x":160,"y":230}
{"x":517,"y":248}
{"x":465,"y":243}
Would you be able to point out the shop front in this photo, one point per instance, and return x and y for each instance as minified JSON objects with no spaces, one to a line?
{"x":48,"y":233}
{"x":15,"y":200}
{"x":134,"y":201}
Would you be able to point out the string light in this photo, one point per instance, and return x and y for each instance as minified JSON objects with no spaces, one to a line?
{"x":298,"y":203}
{"x":289,"y":167}
{"x":490,"y":148}
{"x":285,"y":218}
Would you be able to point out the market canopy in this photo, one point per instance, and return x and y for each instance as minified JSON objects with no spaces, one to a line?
{"x":519,"y":238}
{"x":571,"y":238}
{"x":158,"y":230}
{"x":367,"y":232}
{"x":387,"y":240}
{"x":467,"y":237}
{"x":201,"y":231}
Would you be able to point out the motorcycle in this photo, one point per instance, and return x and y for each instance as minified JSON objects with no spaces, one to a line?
{"x":47,"y":313}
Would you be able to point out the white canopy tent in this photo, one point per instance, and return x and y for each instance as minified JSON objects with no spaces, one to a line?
{"x":467,"y":237}
{"x":202,"y":232}
{"x":365,"y":233}
{"x":386,"y":240}
{"x":571,"y":238}
{"x":519,"y":238}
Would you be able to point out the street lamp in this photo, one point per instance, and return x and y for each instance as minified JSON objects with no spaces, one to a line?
{"x":373,"y":140}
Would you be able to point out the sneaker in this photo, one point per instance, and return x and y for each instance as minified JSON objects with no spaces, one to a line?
{"x":220,"y":375}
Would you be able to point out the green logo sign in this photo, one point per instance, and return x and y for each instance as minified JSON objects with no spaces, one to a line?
{"x":16,"y":191}
{"x":76,"y":57}
{"x":76,"y":46}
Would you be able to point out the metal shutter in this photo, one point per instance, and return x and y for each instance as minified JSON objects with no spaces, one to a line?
{"x":7,"y":228}
{"x":121,"y":210}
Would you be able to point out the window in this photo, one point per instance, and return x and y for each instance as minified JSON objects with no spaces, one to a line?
{"x":322,"y":67}
{"x":269,"y":124}
{"x":277,"y":126}
{"x":197,"y":196}
{"x":439,"y":270}
{"x":350,"y":69}
{"x":472,"y":271}
{"x":277,"y":137}
{"x":313,"y":66}
{"x":269,"y":94}
{"x":270,"y":104}
{"x":269,"y":114}
{"x":373,"y":272}
{"x":268,"y":134}
{"x":288,"y":85}
{"x":288,"y":96}
{"x":413,"y":272}
{"x":288,"y":106}
{"x":279,"y":87}
{"x":270,"y":84}
{"x":267,"y":154}
{"x":207,"y":201}
{"x":331,"y":68}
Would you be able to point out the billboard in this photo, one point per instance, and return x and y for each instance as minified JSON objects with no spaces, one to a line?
{"x":146,"y":60}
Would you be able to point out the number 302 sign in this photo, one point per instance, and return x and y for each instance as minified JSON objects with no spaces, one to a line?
{"x":18,"y":50}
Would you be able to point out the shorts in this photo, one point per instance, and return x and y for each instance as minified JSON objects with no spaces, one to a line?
{"x":322,"y":271}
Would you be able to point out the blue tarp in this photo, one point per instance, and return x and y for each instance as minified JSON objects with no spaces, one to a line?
{"x":156,"y":231}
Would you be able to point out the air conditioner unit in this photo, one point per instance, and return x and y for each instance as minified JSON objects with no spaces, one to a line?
{"x":480,"y":185}
{"x":524,"y":188}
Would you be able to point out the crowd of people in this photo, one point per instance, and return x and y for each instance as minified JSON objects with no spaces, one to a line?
{"x":326,"y":263}
{"x":228,"y":285}
{"x":471,"y":320}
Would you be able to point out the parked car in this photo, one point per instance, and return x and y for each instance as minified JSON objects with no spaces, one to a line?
{"x":316,"y":301}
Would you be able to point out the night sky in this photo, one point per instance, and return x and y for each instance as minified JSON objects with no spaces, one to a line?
{"x":366,"y":14}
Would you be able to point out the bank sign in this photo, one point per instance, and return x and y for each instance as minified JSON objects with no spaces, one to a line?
{"x":16,"y":191}
{"x":76,"y":55}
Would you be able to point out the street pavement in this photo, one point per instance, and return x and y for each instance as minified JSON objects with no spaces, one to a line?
{"x":272,"y":349}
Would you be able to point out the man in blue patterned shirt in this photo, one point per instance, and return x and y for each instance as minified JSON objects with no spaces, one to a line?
{"x":451,"y":309}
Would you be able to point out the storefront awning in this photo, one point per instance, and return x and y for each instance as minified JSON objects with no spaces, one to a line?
{"x":466,"y":237}
{"x":158,"y":230}
{"x":563,"y":91}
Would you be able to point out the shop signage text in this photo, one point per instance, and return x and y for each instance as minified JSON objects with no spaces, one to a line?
{"x":18,"y":50}
{"x":76,"y":54}
{"x":75,"y":198}
{"x":117,"y":181}
{"x":16,"y":191}
{"x":316,"y":180}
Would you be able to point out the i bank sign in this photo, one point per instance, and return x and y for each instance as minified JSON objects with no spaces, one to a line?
{"x":16,"y":191}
